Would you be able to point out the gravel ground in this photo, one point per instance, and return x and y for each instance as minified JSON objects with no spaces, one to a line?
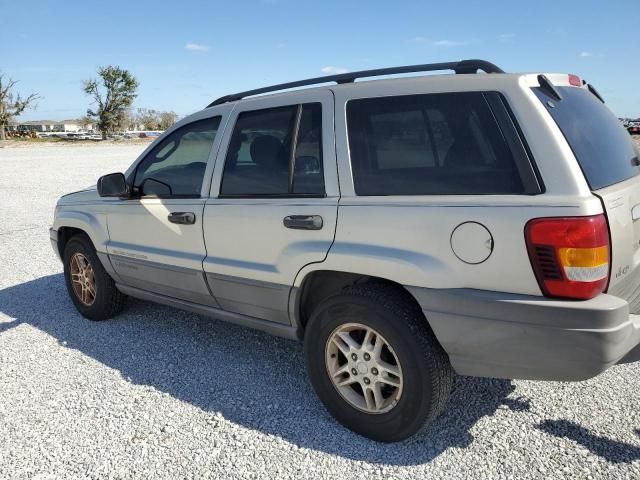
{"x":166,"y":394}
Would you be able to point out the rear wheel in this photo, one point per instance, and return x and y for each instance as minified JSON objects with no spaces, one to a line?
{"x":375,"y":363}
{"x":90,"y":287}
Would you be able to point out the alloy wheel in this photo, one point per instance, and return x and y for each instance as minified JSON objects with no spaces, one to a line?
{"x":364,"y":368}
{"x":83,"y":279}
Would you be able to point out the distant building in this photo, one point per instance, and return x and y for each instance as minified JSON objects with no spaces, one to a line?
{"x":44,"y":126}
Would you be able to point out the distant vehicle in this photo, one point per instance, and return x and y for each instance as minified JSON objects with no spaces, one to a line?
{"x":633,"y":128}
{"x":84,"y":136}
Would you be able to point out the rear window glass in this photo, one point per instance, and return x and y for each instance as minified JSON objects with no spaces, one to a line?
{"x":433,"y":144}
{"x":260,"y":160}
{"x":602,"y":146}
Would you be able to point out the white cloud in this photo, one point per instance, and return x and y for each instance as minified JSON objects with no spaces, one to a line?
{"x":196,"y":47}
{"x":331,"y":70}
{"x":437,"y":43}
{"x":504,"y":37}
{"x":587,"y":54}
{"x":448,"y":43}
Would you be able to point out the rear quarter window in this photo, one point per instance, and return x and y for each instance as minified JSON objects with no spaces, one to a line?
{"x":602,"y":146}
{"x":432,"y":144}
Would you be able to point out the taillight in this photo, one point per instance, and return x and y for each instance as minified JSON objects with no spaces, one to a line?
{"x":570,"y":255}
{"x":575,"y":80}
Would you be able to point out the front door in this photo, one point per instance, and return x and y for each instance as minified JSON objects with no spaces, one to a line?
{"x":273,"y":204}
{"x":155,"y":238}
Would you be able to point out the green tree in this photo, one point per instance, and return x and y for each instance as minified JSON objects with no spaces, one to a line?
{"x":112,"y":96}
{"x":12,"y":104}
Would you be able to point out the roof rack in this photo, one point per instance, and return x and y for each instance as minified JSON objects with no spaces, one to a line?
{"x":463,"y":66}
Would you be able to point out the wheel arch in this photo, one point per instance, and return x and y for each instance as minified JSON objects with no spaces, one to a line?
{"x":65,"y":234}
{"x":317,"y":285}
{"x":72,"y":222}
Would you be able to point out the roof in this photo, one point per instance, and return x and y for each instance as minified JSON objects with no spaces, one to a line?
{"x":459,"y":67}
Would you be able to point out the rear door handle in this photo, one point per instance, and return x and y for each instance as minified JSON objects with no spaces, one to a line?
{"x":303,"y":222}
{"x":182,"y":218}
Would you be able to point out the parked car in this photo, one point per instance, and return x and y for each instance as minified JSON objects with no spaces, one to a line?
{"x":404,"y":229}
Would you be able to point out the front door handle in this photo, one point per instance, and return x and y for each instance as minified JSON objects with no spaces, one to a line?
{"x":303,"y":222}
{"x":182,"y":218}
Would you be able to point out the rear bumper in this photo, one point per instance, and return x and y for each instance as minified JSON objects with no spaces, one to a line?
{"x":492,"y":334}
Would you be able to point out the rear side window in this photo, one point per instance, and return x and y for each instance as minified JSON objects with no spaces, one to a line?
{"x":435,"y":144}
{"x":603,"y":147}
{"x":275,"y":152}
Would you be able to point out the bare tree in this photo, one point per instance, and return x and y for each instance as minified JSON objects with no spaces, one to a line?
{"x":12,"y":104}
{"x":86,"y":122}
{"x":127,"y":120}
{"x":155,"y":119}
{"x":167,"y":119}
{"x":113,"y":96}
{"x":148,"y":118}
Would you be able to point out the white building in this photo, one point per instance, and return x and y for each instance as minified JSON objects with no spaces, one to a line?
{"x":51,"y":126}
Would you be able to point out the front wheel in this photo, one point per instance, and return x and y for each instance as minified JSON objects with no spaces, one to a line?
{"x":375,"y":363}
{"x":90,"y":287}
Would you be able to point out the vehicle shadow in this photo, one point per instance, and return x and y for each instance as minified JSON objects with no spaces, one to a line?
{"x":611,"y":450}
{"x":249,"y":377}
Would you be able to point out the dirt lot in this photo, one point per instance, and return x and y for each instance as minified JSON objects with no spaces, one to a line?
{"x":162,"y":393}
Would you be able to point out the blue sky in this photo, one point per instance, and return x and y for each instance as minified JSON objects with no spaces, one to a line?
{"x":184,"y":54}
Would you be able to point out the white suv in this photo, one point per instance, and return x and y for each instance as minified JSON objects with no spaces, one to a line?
{"x":405,"y":229}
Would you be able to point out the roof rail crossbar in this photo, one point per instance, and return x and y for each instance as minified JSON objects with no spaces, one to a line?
{"x":463,"y":66}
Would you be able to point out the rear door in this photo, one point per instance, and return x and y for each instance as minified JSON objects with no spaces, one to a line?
{"x":608,"y":158}
{"x":273,"y":202}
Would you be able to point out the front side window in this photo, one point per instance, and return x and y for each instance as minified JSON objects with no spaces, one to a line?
{"x":275,"y":152}
{"x":435,"y":144}
{"x":176,"y":166}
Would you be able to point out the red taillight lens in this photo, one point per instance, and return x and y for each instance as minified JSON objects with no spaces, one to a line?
{"x":570,"y":255}
{"x":575,"y":80}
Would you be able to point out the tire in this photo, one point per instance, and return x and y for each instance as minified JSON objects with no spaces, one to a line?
{"x":426,"y":373}
{"x":108,"y":301}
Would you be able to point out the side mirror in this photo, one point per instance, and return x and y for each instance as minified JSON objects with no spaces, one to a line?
{"x":113,"y":185}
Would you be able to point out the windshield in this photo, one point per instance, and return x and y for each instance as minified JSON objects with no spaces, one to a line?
{"x":603,"y":147}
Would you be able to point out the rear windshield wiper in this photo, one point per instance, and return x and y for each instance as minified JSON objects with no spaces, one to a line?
{"x":593,"y":90}
{"x":549,"y":88}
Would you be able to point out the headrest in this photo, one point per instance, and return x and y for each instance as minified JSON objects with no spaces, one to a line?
{"x":267,"y":152}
